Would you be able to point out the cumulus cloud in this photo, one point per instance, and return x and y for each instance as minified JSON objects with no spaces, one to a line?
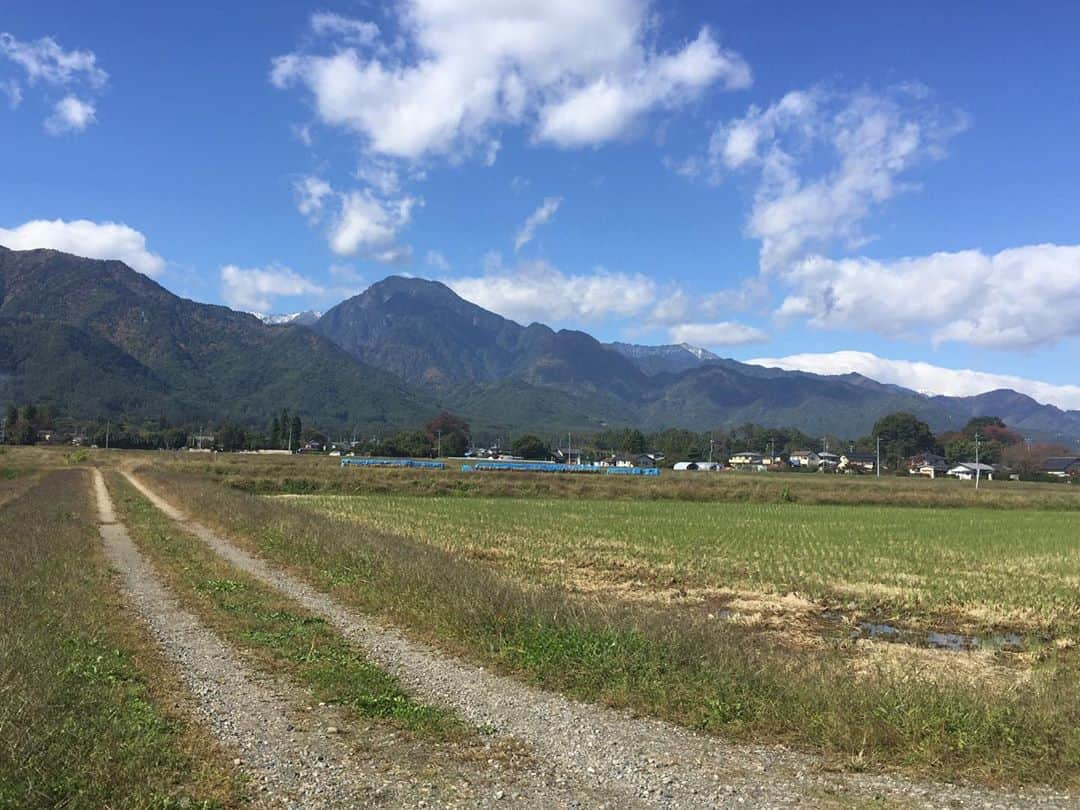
{"x":576,"y":73}
{"x":606,"y":107}
{"x":366,"y":223}
{"x":541,"y":216}
{"x":537,"y":291}
{"x":95,"y":240}
{"x":867,"y":140}
{"x":723,"y":333}
{"x":45,"y":62}
{"x":70,"y":114}
{"x":924,"y":377}
{"x":361,"y":222}
{"x":252,"y":290}
{"x":1016,"y":298}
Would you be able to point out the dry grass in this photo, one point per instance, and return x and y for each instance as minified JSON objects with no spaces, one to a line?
{"x":711,"y":675}
{"x":321,"y":474}
{"x":974,"y":571}
{"x":89,"y":711}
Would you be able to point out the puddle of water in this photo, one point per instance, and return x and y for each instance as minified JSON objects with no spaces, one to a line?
{"x":941,"y":641}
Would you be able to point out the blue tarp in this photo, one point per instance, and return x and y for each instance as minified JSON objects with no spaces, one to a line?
{"x":552,"y":467}
{"x":392,"y":462}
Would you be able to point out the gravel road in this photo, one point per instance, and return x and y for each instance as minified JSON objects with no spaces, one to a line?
{"x":634,"y":761}
{"x":291,"y":759}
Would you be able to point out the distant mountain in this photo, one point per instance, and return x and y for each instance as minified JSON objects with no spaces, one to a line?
{"x":306,"y":318}
{"x":425,"y":333}
{"x":1019,"y":411}
{"x":507,"y":375}
{"x":660,"y":359}
{"x":97,"y":338}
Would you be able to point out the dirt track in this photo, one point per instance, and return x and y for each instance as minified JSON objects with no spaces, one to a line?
{"x":636,"y":761}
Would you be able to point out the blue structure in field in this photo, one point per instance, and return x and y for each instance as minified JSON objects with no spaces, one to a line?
{"x":392,"y":462}
{"x":649,"y":471}
{"x":553,"y":467}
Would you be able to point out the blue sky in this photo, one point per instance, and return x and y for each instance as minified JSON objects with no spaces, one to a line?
{"x":770,"y":180}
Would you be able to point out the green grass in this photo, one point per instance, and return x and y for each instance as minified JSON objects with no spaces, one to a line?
{"x":972,"y":569}
{"x":87,"y":707}
{"x":714,"y":676}
{"x":281,"y":636}
{"x":323,"y":475}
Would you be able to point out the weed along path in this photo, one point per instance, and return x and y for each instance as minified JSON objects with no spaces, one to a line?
{"x":634,"y":761}
{"x":292,"y":760}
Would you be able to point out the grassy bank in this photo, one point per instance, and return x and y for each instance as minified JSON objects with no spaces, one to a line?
{"x":976,"y":570}
{"x":276,"y":633}
{"x":323,"y":475}
{"x":715,"y":677}
{"x":88,"y":713}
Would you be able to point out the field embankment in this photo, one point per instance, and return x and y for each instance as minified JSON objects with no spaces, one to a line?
{"x":311,"y":475}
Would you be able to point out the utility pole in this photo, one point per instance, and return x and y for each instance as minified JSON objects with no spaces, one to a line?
{"x":877,"y":462}
{"x":977,"y":468}
{"x":710,"y":448}
{"x":290,"y":437}
{"x":438,"y":445}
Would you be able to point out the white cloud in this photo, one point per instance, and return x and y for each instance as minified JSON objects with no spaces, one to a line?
{"x":537,"y":291}
{"x":924,"y":377}
{"x":438,"y":261}
{"x":606,"y":107}
{"x":44,"y":61}
{"x":310,"y":194}
{"x":368,"y":224}
{"x":723,"y":333}
{"x":1017,"y":298}
{"x":327,"y":23}
{"x":252,"y":290}
{"x":70,"y":114}
{"x":868,"y":141}
{"x":13,"y":92}
{"x":362,"y":223}
{"x":541,"y":216}
{"x":578,"y":73}
{"x":95,"y":240}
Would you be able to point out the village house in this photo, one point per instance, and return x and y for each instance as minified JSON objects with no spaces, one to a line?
{"x":858,"y":462}
{"x":804,"y":458}
{"x":1062,"y":466}
{"x":828,"y":461}
{"x":929,"y":464}
{"x":967,"y":470}
{"x":746,"y":459}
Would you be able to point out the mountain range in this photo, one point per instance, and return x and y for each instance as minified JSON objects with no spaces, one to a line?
{"x":96,"y":339}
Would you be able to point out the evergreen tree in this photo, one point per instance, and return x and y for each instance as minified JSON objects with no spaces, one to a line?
{"x":296,"y":430}
{"x":275,"y":432}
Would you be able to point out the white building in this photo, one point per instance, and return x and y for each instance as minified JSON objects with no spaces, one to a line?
{"x":966,"y":471}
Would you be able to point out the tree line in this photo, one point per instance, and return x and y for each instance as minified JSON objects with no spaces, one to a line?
{"x":902,"y":436}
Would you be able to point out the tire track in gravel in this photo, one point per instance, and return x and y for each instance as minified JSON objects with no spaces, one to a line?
{"x":292,"y":763}
{"x":637,"y":761}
